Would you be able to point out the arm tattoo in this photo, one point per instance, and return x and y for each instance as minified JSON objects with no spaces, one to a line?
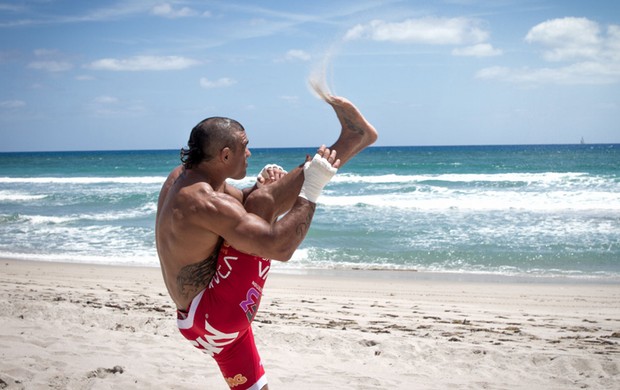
{"x":302,"y":227}
{"x":195,"y":277}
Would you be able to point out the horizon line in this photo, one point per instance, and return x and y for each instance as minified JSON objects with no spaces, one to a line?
{"x":307,"y":147}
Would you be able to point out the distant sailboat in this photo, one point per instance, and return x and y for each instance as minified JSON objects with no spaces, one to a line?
{"x":582,"y":142}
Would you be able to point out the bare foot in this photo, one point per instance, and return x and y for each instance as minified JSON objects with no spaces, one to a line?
{"x":356,"y":134}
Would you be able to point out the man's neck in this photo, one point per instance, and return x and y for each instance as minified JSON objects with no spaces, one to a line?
{"x":208,"y":175}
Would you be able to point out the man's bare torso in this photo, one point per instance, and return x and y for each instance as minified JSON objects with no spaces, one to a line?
{"x":187,"y":251}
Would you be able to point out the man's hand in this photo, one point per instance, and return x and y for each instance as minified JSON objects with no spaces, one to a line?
{"x":329,"y":155}
{"x":271,"y":173}
{"x":318,"y":172}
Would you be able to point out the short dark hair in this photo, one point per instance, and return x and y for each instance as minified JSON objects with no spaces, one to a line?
{"x":208,"y":138}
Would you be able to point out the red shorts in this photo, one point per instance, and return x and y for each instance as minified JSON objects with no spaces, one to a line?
{"x":219,"y":317}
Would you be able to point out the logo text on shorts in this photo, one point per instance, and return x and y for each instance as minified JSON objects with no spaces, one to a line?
{"x":250,"y":305}
{"x":214,"y":341}
{"x":222,"y":274}
{"x":236,"y":380}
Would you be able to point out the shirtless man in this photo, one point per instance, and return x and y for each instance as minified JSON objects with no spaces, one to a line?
{"x":215,"y":242}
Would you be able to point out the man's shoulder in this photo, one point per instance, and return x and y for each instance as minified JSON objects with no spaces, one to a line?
{"x":199,"y":187}
{"x":234,"y":192}
{"x":194,"y":193}
{"x":201,"y":195}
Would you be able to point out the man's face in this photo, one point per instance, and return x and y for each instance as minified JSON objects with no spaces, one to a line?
{"x":240,"y":156}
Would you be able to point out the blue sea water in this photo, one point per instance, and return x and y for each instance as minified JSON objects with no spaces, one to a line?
{"x":536,"y":210}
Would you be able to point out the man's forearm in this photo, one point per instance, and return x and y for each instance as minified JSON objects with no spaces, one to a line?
{"x":291,"y":229}
{"x":303,"y":225}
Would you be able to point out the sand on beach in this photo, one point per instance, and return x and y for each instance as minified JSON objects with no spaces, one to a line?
{"x":77,"y":326}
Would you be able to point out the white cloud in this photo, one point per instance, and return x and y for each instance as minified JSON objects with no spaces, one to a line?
{"x":581,"y":73}
{"x":142,"y":63}
{"x":611,"y":46}
{"x":50,"y":60}
{"x":567,"y":38}
{"x":296,"y":54}
{"x":219,"y":83}
{"x":290,"y":99}
{"x":434,"y":31}
{"x":479,"y":50}
{"x":111,"y":106}
{"x":117,"y":11}
{"x":167,"y":11}
{"x":51,"y":66}
{"x":5,"y":56}
{"x":46,"y":52}
{"x":104,"y":99}
{"x":10,"y":104}
{"x":593,"y":58}
{"x":11,"y":7}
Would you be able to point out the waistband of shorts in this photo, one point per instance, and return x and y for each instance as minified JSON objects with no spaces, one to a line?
{"x":185,"y":319}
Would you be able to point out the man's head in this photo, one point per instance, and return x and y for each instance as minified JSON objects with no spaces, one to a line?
{"x":212,"y":138}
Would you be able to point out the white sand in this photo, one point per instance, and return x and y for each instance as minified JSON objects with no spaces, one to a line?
{"x":71,"y":326}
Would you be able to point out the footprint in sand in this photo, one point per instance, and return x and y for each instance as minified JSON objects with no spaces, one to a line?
{"x":103,"y":372}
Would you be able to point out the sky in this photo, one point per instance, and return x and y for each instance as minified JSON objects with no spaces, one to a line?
{"x":138,"y":74}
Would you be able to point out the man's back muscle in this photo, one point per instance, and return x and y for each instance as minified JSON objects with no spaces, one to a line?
{"x":187,"y":249}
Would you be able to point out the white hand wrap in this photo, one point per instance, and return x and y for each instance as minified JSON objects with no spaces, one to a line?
{"x":317,"y":173}
{"x":265,"y":175}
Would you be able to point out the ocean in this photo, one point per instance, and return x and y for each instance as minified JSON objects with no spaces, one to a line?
{"x":533,"y":210}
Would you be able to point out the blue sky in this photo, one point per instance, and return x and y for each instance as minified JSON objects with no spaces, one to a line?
{"x":98,"y":75}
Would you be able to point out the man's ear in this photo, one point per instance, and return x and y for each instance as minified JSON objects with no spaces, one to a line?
{"x":225,"y":154}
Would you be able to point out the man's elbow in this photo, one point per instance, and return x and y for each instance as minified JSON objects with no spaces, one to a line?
{"x":284,"y":253}
{"x":284,"y":257}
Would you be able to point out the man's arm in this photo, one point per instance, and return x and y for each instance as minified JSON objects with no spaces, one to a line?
{"x":240,"y":195}
{"x":250,"y":233}
{"x":271,"y":173}
{"x":252,"y":227}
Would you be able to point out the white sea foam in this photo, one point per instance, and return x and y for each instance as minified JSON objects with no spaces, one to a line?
{"x":546,"y":177}
{"x":147,"y":210}
{"x":14,"y":196}
{"x":246,"y":182}
{"x":46,"y":220}
{"x":543,"y":178}
{"x":148,"y":259}
{"x":439,"y":199}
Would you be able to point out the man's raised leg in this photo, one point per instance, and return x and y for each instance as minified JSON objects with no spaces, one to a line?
{"x":356,"y":133}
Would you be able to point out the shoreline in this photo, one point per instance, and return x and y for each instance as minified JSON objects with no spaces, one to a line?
{"x":72,"y":325}
{"x":453,"y":276}
{"x":386,"y":273}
